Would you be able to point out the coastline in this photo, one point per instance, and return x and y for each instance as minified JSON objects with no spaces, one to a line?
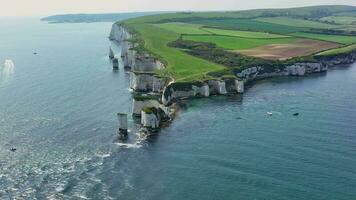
{"x":156,"y":98}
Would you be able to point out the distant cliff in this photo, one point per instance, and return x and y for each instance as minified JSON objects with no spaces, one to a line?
{"x":91,"y":18}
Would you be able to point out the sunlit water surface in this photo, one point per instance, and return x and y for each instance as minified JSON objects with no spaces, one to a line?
{"x":58,"y":109}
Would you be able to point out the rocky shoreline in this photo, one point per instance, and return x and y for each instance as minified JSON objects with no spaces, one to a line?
{"x":155,"y":97}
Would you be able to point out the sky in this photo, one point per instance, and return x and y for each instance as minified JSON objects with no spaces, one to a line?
{"x":51,"y":7}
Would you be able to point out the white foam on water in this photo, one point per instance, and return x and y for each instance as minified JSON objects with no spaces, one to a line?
{"x":104,"y":155}
{"x":276,"y":112}
{"x":135,"y":145}
{"x":80,"y":196}
{"x":7,"y":71}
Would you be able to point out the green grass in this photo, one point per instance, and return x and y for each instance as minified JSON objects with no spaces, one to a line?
{"x":237,"y":43}
{"x":248,"y":25}
{"x":337,"y":51}
{"x":312,"y":12}
{"x":182,"y":28}
{"x":245,"y":34}
{"x":342,"y":39}
{"x":181,"y":66}
{"x":295,"y":22}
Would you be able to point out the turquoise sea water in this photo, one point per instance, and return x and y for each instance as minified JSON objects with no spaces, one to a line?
{"x":58,"y":109}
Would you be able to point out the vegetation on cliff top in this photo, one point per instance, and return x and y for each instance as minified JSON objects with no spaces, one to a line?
{"x":196,"y":46}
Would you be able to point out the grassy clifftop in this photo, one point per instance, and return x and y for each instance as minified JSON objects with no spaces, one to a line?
{"x":208,"y":42}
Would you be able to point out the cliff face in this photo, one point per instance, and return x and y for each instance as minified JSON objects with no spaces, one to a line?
{"x":141,"y":82}
{"x":297,"y":69}
{"x":174,"y":91}
{"x":139,"y":105}
{"x":118,"y":33}
{"x":222,"y":87}
{"x":142,"y":78}
{"x":338,"y":59}
{"x":149,"y":120}
{"x":127,"y":54}
{"x":141,"y":64}
{"x":146,"y":63}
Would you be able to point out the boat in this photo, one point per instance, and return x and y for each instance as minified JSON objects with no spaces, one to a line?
{"x":9,"y":63}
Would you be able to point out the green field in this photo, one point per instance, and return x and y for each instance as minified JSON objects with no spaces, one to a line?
{"x":229,"y":31}
{"x":337,"y":51}
{"x":249,"y":25}
{"x":182,"y":28}
{"x":237,"y":43}
{"x":181,"y":66}
{"x":244,"y":34}
{"x":332,"y":38}
{"x":295,"y":22}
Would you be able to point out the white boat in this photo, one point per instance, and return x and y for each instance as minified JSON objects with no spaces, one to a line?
{"x":269,"y":113}
{"x":9,"y":64}
{"x":7,"y":71}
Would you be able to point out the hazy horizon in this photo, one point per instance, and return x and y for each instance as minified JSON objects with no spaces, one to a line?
{"x":56,"y":7}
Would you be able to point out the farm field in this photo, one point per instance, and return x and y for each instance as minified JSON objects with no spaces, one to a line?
{"x":342,"y":39}
{"x":244,"y":34}
{"x":236,"y":43}
{"x":295,"y":22}
{"x":301,"y":47}
{"x":249,"y":25}
{"x":183,"y":28}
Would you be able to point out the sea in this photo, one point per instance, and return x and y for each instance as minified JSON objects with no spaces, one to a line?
{"x":59,"y":97}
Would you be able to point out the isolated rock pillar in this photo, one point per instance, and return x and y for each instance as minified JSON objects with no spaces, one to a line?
{"x":122,"y":123}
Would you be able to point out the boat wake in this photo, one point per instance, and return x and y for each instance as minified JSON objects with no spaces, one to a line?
{"x":135,"y":145}
{"x":7,"y":71}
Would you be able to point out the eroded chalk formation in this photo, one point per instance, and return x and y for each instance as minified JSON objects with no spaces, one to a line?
{"x":142,"y":79}
{"x":146,"y":63}
{"x":139,"y":104}
{"x":149,"y":120}
{"x":141,"y":82}
{"x":152,"y":118}
{"x":176,"y":91}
